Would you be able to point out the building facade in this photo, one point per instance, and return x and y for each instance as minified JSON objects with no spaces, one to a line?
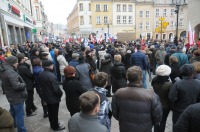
{"x":16,"y":21}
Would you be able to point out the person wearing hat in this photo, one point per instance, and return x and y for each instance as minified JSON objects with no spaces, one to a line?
{"x":34,"y":54}
{"x":161,"y":85}
{"x":89,"y":59}
{"x":74,"y":62}
{"x":51,"y":93}
{"x":25,"y":72}
{"x":15,"y":90}
{"x":184,"y":92}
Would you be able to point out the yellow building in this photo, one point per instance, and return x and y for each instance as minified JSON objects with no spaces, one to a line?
{"x":101,"y":17}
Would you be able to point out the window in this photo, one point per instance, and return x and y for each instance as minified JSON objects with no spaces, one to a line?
{"x":37,"y":13}
{"x":118,"y":7}
{"x":141,"y":14}
{"x":118,"y":19}
{"x":147,"y":25}
{"x":124,"y":19}
{"x":98,"y":8}
{"x":141,"y":26}
{"x":130,"y":19}
{"x":164,"y":12}
{"x":147,"y":14}
{"x":98,"y":20}
{"x":181,"y":21}
{"x":89,"y":7}
{"x":130,"y":8}
{"x":157,"y":12}
{"x":172,"y":12}
{"x":105,"y":8}
{"x":81,"y":7}
{"x":157,"y":35}
{"x":81,"y":20}
{"x":105,"y":19}
{"x":90,"y":19}
{"x":124,"y":8}
{"x":164,"y":36}
{"x":157,"y":22}
{"x":172,"y":24}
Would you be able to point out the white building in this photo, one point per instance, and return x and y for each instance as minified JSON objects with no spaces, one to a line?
{"x":16,"y":22}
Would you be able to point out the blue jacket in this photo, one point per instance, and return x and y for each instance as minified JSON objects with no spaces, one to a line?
{"x":139,"y":59}
{"x":73,"y":63}
{"x":36,"y":71}
{"x":182,"y":58}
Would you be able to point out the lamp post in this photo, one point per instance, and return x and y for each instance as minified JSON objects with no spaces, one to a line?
{"x":177,"y":3}
{"x":108,"y":25}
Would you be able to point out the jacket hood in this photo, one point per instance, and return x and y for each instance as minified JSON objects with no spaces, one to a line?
{"x":105,"y":61}
{"x":101,"y":90}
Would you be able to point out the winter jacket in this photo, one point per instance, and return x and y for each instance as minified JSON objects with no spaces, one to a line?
{"x":91,"y":62}
{"x":160,"y":56}
{"x":106,"y":65}
{"x":25,"y":72}
{"x":104,"y":114}
{"x":83,"y":75}
{"x":139,"y":59}
{"x":194,"y":59}
{"x":50,"y":87}
{"x":182,"y":58}
{"x":137,"y":109}
{"x":175,"y":71}
{"x":13,"y":84}
{"x":73,"y":89}
{"x":118,"y":76}
{"x":81,"y":122}
{"x":127,"y":58}
{"x":162,"y":90}
{"x":166,"y":61}
{"x":6,"y":121}
{"x":36,"y":71}
{"x":73,"y":63}
{"x":189,"y":119}
{"x":62,"y":64}
{"x":184,"y":93}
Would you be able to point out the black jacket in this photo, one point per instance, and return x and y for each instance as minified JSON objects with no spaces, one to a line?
{"x":175,"y":71}
{"x":118,"y":76}
{"x":184,"y":93}
{"x":13,"y":84}
{"x":73,"y":89}
{"x":106,"y":65}
{"x":50,"y":87}
{"x":25,"y":72}
{"x":137,"y":109}
{"x":189,"y":119}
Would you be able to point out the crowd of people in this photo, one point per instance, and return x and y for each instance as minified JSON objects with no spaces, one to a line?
{"x":89,"y":74}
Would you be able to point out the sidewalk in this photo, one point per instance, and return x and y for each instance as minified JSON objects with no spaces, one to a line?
{"x":39,"y":124}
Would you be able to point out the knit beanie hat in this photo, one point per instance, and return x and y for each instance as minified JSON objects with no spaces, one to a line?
{"x":11,"y":60}
{"x":187,"y":70}
{"x":163,"y":70}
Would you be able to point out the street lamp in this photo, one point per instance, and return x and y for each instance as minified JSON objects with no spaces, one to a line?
{"x":177,"y":3}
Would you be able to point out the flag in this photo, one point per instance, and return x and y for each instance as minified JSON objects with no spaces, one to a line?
{"x":190,"y":35}
{"x":100,"y":39}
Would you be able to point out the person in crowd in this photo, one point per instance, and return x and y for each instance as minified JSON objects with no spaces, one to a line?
{"x":160,"y":55}
{"x":15,"y":90}
{"x":83,"y":73}
{"x":139,"y":59}
{"x":62,"y":64}
{"x":37,"y":69}
{"x":106,"y":65}
{"x":25,"y":72}
{"x":87,"y":119}
{"x":175,"y":68}
{"x":34,"y":55}
{"x":44,"y":56}
{"x":2,"y":56}
{"x":8,"y":52}
{"x":127,"y":58}
{"x":89,"y":59}
{"x":118,"y":74}
{"x":172,"y":51}
{"x":74,"y":62}
{"x":51,"y":93}
{"x":6,"y":121}
{"x":196,"y":70}
{"x":101,"y":54}
{"x":73,"y":89}
{"x":161,"y":85}
{"x":188,"y":88}
{"x":196,"y":56}
{"x":104,"y":114}
{"x":182,"y":58}
{"x":56,"y":65}
{"x":136,"y":108}
{"x":189,"y":119}
{"x":153,"y":50}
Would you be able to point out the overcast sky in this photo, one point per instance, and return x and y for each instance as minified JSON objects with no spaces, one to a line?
{"x":58,"y":10}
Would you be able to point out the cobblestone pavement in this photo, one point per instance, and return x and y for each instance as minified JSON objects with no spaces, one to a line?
{"x":39,"y":124}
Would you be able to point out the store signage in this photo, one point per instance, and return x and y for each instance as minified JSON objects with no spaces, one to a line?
{"x":26,"y":19}
{"x":14,"y":10}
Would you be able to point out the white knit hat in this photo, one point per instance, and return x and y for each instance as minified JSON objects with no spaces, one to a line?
{"x":163,"y":70}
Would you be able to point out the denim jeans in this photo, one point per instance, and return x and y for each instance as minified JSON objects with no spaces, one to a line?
{"x":144,"y":78}
{"x":17,"y":112}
